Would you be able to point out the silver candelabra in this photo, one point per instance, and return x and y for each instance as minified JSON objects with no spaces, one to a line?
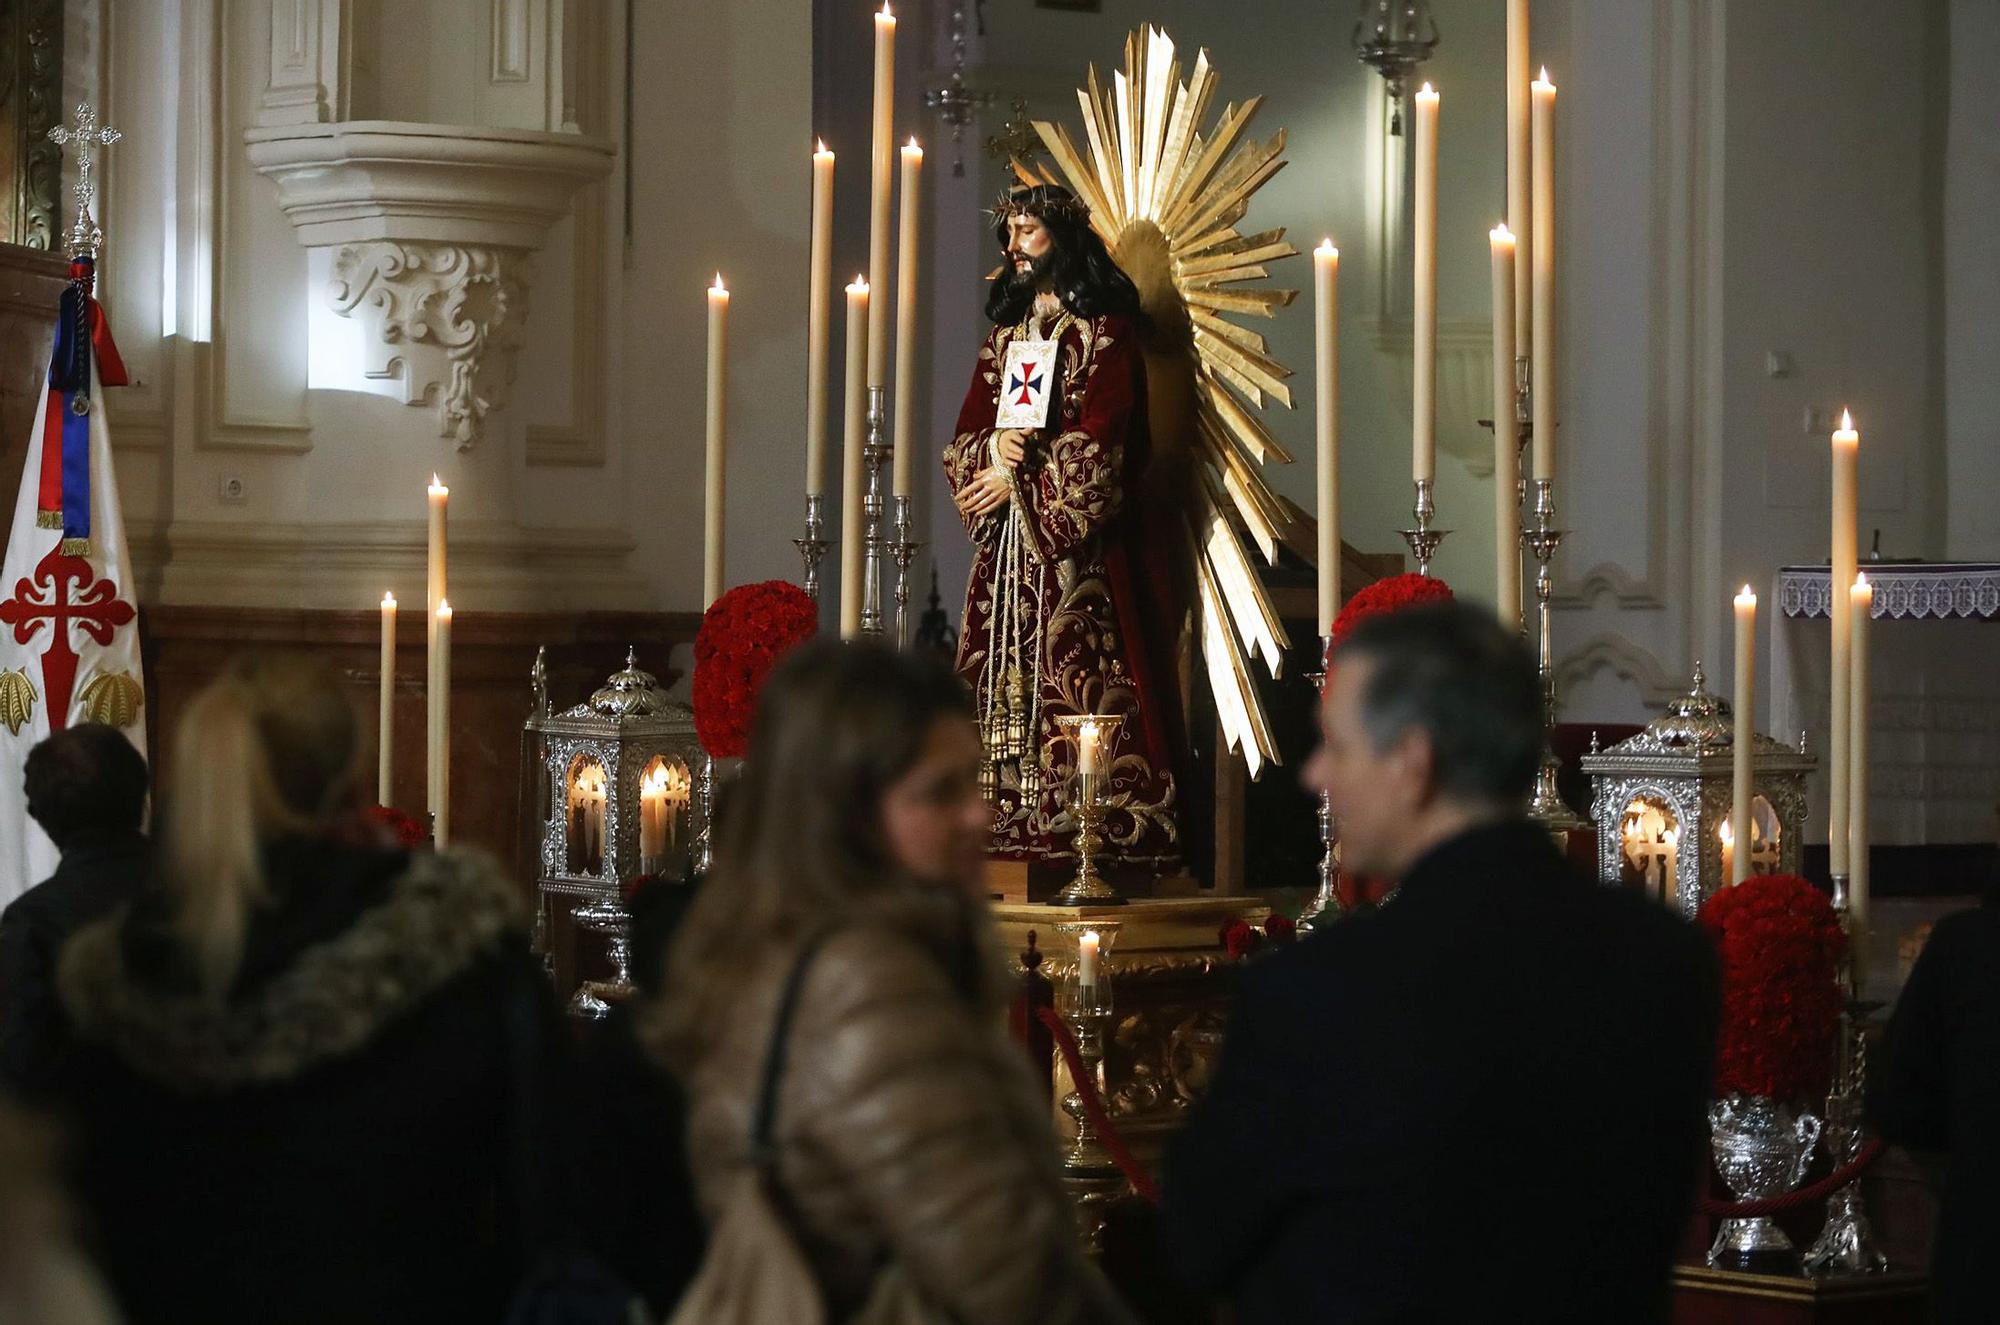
{"x":902,"y":549}
{"x":1423,"y":539}
{"x":1325,"y":906}
{"x":873,"y":456}
{"x":1542,"y":539}
{"x":813,"y":547}
{"x":1846,"y":1245}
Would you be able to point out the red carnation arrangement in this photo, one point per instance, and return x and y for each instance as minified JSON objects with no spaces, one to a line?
{"x":403,"y":829}
{"x":1240,"y":938}
{"x":743,"y":634}
{"x":1780,"y":944}
{"x":1390,"y":595}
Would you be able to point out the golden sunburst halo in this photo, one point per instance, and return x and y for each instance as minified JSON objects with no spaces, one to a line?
{"x":1167,"y":198}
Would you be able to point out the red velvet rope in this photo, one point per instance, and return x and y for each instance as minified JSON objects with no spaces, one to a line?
{"x":1777,"y":1205}
{"x":1093,"y":1107}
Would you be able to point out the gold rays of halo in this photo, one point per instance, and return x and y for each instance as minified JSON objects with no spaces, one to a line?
{"x":1167,"y":199}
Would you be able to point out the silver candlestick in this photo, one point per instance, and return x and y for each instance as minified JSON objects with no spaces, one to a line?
{"x":704,"y":808}
{"x":1325,"y":907}
{"x":1846,"y":1245}
{"x":813,"y":547}
{"x":873,"y":455}
{"x":1423,"y":539}
{"x":902,"y":549}
{"x":1542,"y":539}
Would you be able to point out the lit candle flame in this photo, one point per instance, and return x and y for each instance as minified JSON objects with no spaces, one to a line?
{"x":885,"y":14}
{"x":389,"y":601}
{"x":444,"y":609}
{"x":718,"y":287}
{"x":1326,"y":249}
{"x":437,"y":485}
{"x":1543,"y":81}
{"x":1427,"y":91}
{"x":1727,"y":835}
{"x":1846,"y":421}
{"x":1500,"y":234}
{"x":1747,"y":598}
{"x":819,"y":147}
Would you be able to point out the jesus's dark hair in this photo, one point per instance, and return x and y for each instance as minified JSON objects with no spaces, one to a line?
{"x":1077,"y":264}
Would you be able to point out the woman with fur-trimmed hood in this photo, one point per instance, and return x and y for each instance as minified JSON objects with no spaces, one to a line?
{"x":309,"y":1077}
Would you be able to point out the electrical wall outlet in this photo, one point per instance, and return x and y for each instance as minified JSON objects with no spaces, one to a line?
{"x":232,"y":492}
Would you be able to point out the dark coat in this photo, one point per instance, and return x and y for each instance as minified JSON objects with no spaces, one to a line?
{"x":356,"y":1133}
{"x":1484,"y":1101}
{"x":93,"y":879}
{"x":1940,"y":1091}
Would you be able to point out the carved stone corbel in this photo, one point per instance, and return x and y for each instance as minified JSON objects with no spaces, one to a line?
{"x":446,"y":320}
{"x":431,"y":228}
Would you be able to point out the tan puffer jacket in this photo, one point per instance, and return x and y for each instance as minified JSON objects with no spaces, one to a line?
{"x":907,"y":1131}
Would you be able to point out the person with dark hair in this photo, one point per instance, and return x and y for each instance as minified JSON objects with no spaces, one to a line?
{"x":86,"y":787}
{"x":1061,"y":613}
{"x":878,"y":1102}
{"x":1939,"y":1091}
{"x":1501,"y":1052}
{"x":309,"y":1072}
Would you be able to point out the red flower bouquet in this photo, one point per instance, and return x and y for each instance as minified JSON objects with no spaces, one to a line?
{"x":1240,"y":938}
{"x":1390,"y":595}
{"x":1780,"y":944}
{"x":403,"y":829}
{"x":742,"y":636}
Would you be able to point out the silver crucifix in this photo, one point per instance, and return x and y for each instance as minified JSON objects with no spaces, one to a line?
{"x":86,"y":133}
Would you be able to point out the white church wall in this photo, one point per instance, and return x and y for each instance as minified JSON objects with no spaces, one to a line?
{"x":721,"y":150}
{"x":246,"y":487}
{"x":1972,"y":294}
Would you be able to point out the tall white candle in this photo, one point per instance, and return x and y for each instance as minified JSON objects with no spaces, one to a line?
{"x":385,"y":709}
{"x":1519,"y":189}
{"x":714,"y":492}
{"x":1543,"y":254}
{"x":851,"y":468}
{"x":441,"y":824}
{"x":440,"y":498}
{"x":818,"y":300}
{"x":1086,"y":961}
{"x":1506,"y":435}
{"x":1423,"y":400}
{"x":1742,"y":776}
{"x":904,"y":434}
{"x":1846,"y":455}
{"x":1326,"y":368}
{"x":1861,"y":607}
{"x":881,"y":176}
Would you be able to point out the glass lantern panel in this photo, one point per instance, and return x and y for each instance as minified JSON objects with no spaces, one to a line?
{"x":1649,"y":844}
{"x":665,"y":793}
{"x":585,"y":798}
{"x":1766,"y":837}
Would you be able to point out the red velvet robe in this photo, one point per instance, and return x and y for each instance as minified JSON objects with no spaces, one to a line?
{"x":1066,"y":584}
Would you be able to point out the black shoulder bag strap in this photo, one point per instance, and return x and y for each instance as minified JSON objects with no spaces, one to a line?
{"x":763,"y":1152}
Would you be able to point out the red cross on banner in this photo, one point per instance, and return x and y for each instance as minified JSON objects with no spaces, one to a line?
{"x":64,"y":592}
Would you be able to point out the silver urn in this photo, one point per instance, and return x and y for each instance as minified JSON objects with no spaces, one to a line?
{"x":1762,"y":1151}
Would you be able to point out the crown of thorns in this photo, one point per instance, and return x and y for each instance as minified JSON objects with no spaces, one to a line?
{"x":1017,"y":202}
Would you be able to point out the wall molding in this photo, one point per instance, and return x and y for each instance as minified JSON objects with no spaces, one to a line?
{"x":1628,"y":660}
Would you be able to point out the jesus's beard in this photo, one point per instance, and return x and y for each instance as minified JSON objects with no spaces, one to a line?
{"x":1025,"y":283}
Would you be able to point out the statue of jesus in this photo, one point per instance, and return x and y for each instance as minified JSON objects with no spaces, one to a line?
{"x":1070,"y":605}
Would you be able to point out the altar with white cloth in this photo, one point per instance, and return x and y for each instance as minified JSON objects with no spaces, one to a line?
{"x":1934,"y":757}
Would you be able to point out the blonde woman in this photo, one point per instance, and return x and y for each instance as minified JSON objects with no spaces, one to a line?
{"x":906,"y":1135}
{"x":309,"y":1074}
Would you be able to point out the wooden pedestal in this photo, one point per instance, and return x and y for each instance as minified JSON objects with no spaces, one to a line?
{"x":1719,"y":1297}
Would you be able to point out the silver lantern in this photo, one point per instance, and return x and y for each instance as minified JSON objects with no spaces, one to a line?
{"x":1661,"y":803}
{"x":614,"y":800}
